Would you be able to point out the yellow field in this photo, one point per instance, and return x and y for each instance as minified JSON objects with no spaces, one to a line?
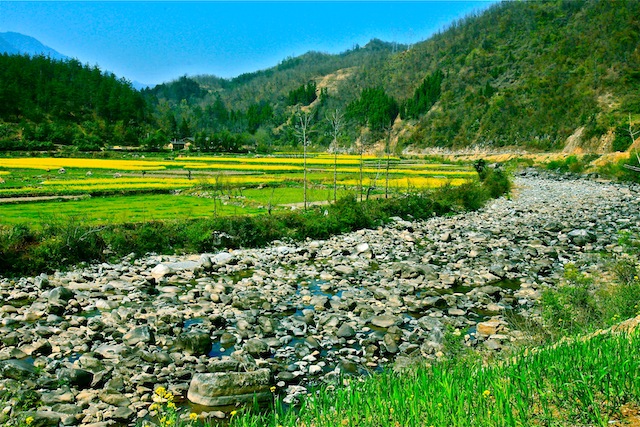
{"x":275,"y":160}
{"x":50,"y":163}
{"x":403,"y":171}
{"x":129,"y":183}
{"x":244,"y":167}
{"x":24,"y":176}
{"x":240,"y":184}
{"x":404,"y":183}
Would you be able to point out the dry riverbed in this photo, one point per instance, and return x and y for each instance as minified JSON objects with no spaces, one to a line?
{"x":93,"y":343}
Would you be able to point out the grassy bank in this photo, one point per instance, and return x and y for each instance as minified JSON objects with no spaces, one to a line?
{"x":579,"y":382}
{"x":26,"y":249}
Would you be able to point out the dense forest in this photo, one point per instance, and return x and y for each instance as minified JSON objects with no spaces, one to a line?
{"x":46,"y":102}
{"x":526,"y":74}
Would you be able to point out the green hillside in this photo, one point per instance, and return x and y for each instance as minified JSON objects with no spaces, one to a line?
{"x":529,"y":74}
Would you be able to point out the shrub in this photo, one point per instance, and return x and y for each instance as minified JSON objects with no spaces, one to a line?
{"x":582,"y":304}
{"x":622,"y":140}
{"x":497,"y":183}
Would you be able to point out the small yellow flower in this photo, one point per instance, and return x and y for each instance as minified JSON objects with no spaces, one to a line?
{"x":233,"y":413}
{"x":171,"y":405}
{"x":391,"y":410}
{"x":154,"y":406}
{"x":345,"y":422}
{"x":28,"y":421}
{"x":193,"y":416}
{"x":273,"y":389}
{"x":160,"y":391}
{"x":486,"y":394}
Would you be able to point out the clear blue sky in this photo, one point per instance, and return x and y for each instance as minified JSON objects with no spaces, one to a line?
{"x":152,"y":42}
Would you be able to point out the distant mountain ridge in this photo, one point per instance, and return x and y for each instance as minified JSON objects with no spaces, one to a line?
{"x":16,"y":43}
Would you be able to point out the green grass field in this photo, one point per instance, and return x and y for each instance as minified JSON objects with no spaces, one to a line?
{"x":126,"y":190}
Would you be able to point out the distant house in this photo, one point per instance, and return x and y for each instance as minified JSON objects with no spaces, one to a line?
{"x":181,"y":144}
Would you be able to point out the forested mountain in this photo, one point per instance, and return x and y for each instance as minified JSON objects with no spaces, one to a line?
{"x":45,"y":102}
{"x":527,"y":74}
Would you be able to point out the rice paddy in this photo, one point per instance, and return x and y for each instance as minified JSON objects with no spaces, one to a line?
{"x":191,"y":186}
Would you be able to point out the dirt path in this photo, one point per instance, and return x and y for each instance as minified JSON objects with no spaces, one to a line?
{"x":28,"y":199}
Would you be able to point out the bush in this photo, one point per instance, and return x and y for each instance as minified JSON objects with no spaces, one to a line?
{"x":583,"y":303}
{"x":572,"y":307}
{"x":497,"y":183}
{"x":622,"y":140}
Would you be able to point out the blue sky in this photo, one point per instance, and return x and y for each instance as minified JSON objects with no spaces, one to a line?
{"x":152,"y":41}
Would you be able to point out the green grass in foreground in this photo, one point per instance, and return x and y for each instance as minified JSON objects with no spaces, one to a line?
{"x":581,"y":382}
{"x":573,"y":383}
{"x":159,"y":207}
{"x":118,"y":209}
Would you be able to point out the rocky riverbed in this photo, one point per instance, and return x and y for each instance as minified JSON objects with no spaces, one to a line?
{"x":215,"y":329}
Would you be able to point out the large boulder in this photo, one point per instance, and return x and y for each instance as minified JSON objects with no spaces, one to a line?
{"x":17,"y":370}
{"x":581,"y":237}
{"x":159,"y":271}
{"x":139,"y":334}
{"x":230,"y":388}
{"x":79,"y":378}
{"x":59,"y":296}
{"x":195,"y":342}
{"x":256,"y":347}
{"x":385,"y":321}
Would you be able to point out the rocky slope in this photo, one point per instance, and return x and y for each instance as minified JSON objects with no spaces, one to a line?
{"x":93,"y":343}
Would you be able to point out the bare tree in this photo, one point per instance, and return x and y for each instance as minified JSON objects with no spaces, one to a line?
{"x":387,"y":149}
{"x":302,"y":131}
{"x":361,"y":147}
{"x":335,"y":118}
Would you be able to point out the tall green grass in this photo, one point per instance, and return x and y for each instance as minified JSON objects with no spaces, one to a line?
{"x":575,"y":382}
{"x":579,"y":382}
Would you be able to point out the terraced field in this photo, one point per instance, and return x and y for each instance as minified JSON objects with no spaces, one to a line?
{"x":142,"y":189}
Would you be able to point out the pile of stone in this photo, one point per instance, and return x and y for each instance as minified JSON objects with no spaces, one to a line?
{"x":91,"y":345}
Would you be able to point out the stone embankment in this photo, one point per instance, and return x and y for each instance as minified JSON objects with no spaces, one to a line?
{"x":217,"y":328}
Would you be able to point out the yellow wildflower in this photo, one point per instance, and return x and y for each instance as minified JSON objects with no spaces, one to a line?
{"x":171,"y":405}
{"x":233,"y":413}
{"x":273,"y":389}
{"x":345,"y":422}
{"x":193,"y":416}
{"x":160,"y":391}
{"x":486,"y":394}
{"x":28,"y":421}
{"x":154,"y":406}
